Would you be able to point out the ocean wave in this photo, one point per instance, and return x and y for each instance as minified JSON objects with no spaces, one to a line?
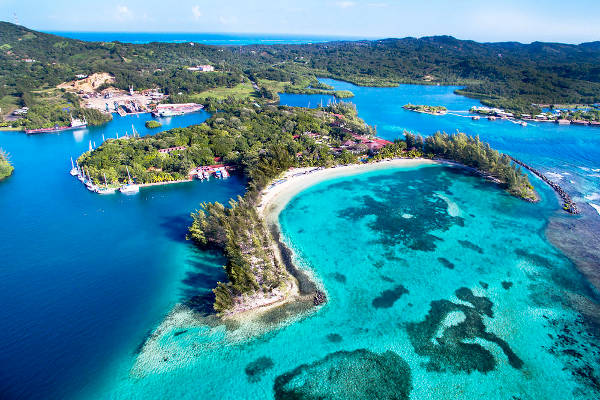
{"x":554,"y":175}
{"x":596,"y":207}
{"x":592,"y":197}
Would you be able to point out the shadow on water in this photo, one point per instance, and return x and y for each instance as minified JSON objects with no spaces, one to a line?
{"x":204,"y":272}
{"x":176,"y":226}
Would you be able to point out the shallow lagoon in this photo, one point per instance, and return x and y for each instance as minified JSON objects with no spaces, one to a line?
{"x":448,"y":296}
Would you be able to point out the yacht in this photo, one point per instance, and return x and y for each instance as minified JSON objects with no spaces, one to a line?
{"x":130,"y":187}
{"x":74,"y":171}
{"x":106,"y":189}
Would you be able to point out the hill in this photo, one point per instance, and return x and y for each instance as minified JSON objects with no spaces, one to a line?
{"x":510,"y":75}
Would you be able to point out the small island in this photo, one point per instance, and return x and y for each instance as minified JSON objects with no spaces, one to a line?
{"x":152,"y":124}
{"x":433,"y":110}
{"x":6,"y":169}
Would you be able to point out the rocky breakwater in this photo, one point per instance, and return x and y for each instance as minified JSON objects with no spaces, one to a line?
{"x":568,"y":204}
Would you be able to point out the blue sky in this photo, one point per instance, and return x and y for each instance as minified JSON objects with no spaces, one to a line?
{"x":526,"y":20}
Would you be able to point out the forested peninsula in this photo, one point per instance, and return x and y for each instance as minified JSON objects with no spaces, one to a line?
{"x":513,"y":76}
{"x":261,"y":141}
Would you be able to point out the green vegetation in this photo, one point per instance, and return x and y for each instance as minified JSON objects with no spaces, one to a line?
{"x":581,"y":115}
{"x":472,"y":152}
{"x":511,"y":76}
{"x":238,"y":92}
{"x":152,"y":124}
{"x":435,"y":110}
{"x":51,"y":107}
{"x":238,"y":230}
{"x":243,"y":134}
{"x":6,"y":169}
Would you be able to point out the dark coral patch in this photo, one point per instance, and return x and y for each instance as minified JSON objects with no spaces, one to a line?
{"x":341,"y":278}
{"x":453,"y":349}
{"x":446,"y":263}
{"x":387,"y":298}
{"x":387,"y":279}
{"x":378,"y":264}
{"x":484,"y":285}
{"x":506,"y":284}
{"x":471,"y":246}
{"x":257,"y":368}
{"x":349,"y":375}
{"x":334,"y":338}
{"x":385,"y":213}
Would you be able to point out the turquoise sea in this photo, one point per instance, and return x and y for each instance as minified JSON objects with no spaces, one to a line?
{"x":439,"y":284}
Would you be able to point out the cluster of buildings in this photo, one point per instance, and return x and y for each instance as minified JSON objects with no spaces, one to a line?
{"x":21,"y":111}
{"x":359,"y":144}
{"x":561,"y":117}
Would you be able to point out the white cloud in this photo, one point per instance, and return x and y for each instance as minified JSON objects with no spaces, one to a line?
{"x":345,"y":4}
{"x":124,"y":13}
{"x":196,"y":12}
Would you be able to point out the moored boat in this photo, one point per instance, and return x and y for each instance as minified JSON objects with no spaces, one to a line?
{"x":106,"y":189}
{"x":130,"y":187}
{"x":74,"y":171}
{"x":75,"y":124}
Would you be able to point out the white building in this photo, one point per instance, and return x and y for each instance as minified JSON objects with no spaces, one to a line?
{"x":202,"y":68}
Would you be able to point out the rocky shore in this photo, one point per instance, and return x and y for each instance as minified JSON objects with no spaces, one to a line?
{"x":568,"y":204}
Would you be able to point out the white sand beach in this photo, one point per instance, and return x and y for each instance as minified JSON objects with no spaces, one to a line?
{"x":275,"y":197}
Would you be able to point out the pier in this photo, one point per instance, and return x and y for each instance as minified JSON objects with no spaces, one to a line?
{"x":568,"y":204}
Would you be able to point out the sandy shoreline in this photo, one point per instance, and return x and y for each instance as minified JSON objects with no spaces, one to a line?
{"x":273,"y":200}
{"x":277,"y":195}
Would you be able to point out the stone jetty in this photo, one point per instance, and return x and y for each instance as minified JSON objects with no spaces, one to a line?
{"x":568,"y":204}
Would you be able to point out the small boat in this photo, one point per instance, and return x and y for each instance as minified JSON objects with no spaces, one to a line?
{"x":475,"y":117}
{"x":89,"y":183}
{"x":74,"y":171}
{"x":523,"y":123}
{"x":130,"y":187}
{"x":106,"y":189}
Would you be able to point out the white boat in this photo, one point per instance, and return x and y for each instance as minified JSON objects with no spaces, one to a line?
{"x":129,"y":188}
{"x":74,"y":171}
{"x":106,"y":189}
